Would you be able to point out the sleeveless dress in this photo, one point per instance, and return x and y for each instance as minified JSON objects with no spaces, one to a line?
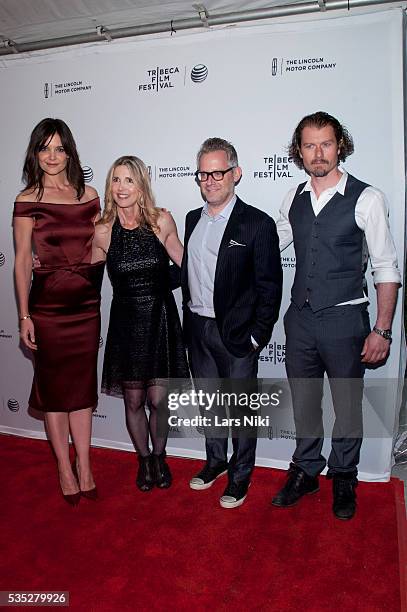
{"x":64,"y":304}
{"x":144,"y":339}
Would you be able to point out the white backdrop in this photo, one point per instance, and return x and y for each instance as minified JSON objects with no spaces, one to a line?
{"x":159,"y":99}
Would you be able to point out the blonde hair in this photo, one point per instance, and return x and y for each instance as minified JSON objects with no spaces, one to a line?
{"x":139,"y":172}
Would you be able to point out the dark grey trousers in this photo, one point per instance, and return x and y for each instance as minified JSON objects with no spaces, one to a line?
{"x":209,"y":359}
{"x":329,"y":341}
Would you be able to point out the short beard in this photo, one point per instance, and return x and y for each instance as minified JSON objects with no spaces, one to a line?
{"x":319,"y":173}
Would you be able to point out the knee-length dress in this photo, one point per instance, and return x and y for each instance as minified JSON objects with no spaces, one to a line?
{"x":64,"y":304}
{"x":144,"y":340}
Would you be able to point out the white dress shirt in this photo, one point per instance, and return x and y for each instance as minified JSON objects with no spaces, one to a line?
{"x":203,"y":249}
{"x":370,"y":216}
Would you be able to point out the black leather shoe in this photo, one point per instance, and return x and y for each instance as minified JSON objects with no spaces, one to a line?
{"x":298,"y":484}
{"x":145,"y":476}
{"x":207,"y":476}
{"x":163,"y":478}
{"x":343,"y":486}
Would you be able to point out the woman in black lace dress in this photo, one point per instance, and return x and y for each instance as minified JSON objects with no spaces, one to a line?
{"x":144,"y":346}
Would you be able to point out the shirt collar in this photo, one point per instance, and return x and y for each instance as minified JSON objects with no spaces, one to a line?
{"x":224,"y":213}
{"x":339,"y":187}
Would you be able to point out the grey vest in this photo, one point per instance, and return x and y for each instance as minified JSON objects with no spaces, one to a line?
{"x":328,"y":249}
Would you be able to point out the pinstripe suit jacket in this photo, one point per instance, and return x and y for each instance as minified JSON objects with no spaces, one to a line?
{"x":248,"y":277}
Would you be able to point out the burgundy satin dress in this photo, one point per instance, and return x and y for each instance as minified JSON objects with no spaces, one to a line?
{"x":64,"y":305}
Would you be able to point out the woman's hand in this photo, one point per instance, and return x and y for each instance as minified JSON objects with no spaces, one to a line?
{"x":27,"y":334}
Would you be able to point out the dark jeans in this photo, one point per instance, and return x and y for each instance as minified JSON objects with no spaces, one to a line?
{"x":330,"y":341}
{"x":210,"y":359}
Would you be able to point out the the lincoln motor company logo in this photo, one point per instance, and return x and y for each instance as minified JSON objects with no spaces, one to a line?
{"x":65,"y":87}
{"x":281,"y":65}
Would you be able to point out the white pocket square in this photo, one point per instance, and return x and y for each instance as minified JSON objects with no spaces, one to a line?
{"x":233,"y":243}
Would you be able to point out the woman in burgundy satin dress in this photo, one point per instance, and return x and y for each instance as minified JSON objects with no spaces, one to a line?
{"x":59,"y":302}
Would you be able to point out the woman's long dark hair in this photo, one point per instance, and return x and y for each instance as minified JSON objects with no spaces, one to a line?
{"x":40,"y":136}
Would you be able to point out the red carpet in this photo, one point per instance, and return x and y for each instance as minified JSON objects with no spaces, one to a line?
{"x":177,"y":549}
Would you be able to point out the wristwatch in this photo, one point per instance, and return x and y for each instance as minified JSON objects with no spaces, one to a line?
{"x":385,"y":333}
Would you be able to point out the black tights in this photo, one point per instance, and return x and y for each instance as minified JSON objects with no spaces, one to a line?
{"x":138,"y":425}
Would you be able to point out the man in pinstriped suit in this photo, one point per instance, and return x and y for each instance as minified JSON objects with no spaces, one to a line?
{"x":232,"y":282}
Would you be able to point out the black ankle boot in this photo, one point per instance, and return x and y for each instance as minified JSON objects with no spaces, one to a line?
{"x":163,"y":478}
{"x":344,"y":485}
{"x":145,"y":476}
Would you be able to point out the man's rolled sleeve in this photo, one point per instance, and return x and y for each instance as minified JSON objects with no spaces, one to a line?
{"x":372,"y":217}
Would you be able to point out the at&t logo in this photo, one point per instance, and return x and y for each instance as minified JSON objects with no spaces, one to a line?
{"x":2,"y":259}
{"x":199,"y":73}
{"x":87,"y":174}
{"x":13,"y":405}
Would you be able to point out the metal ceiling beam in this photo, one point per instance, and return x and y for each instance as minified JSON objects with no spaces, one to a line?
{"x":191,"y":23}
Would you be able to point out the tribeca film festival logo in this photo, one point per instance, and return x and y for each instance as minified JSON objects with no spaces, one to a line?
{"x":161,"y":77}
{"x":167,"y":77}
{"x":275,"y":167}
{"x":280,"y":65}
{"x":65,"y":87}
{"x":13,"y":405}
{"x":274,"y":353}
{"x":2,"y":259}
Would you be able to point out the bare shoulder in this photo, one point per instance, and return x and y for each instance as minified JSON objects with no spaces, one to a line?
{"x":90,"y":192}
{"x":28,"y":195}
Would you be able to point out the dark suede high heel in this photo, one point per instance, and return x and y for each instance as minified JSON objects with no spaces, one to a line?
{"x":145,"y":476}
{"x":163,"y":477}
{"x":91,"y":494}
{"x":72,"y":499}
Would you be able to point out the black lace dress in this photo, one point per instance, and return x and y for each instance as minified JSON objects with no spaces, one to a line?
{"x":144,"y":340}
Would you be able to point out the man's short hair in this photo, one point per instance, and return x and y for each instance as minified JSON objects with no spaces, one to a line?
{"x":218,"y":144}
{"x":320,"y":120}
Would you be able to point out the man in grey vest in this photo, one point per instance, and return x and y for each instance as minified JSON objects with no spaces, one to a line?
{"x":336,"y":222}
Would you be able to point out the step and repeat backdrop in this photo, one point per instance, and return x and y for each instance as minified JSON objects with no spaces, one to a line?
{"x":159,"y":99}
